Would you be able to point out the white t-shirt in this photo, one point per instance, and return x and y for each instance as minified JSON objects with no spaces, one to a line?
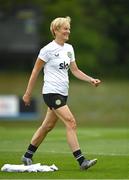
{"x":57,"y":60}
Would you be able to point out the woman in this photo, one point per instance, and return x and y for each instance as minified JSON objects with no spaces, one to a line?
{"x":56,"y":58}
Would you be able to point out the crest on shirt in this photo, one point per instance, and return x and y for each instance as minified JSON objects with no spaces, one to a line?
{"x":69,"y":54}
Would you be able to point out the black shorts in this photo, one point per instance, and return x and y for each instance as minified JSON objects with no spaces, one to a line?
{"x":54,"y":101}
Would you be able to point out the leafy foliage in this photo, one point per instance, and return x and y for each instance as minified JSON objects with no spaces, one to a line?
{"x":99,"y":30}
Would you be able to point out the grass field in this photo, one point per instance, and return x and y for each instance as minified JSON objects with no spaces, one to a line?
{"x":103,"y":131}
{"x":109,"y":145}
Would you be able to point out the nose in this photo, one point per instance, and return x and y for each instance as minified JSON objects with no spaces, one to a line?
{"x":68,"y":31}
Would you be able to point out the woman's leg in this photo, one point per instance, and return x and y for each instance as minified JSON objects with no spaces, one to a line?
{"x":67,"y":117}
{"x":47,"y":125}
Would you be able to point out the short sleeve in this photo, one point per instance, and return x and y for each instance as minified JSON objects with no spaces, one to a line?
{"x":72,"y":54}
{"x":43,"y":55}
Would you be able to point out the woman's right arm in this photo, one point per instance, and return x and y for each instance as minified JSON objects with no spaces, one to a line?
{"x":35,"y":72}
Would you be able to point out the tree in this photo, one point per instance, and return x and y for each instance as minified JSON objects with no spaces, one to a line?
{"x":99,"y":30}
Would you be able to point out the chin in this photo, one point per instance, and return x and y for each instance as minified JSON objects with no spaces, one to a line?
{"x":66,"y":39}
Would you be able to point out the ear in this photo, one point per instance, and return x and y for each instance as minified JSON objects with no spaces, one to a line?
{"x":56,"y":30}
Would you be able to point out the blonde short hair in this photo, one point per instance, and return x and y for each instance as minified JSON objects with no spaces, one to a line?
{"x":58,"y":22}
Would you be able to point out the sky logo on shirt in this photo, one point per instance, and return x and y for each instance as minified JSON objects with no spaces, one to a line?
{"x":63,"y":65}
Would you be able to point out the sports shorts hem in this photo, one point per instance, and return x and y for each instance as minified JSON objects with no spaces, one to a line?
{"x":54,"y":100}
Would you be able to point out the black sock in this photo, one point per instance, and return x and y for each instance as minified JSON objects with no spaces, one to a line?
{"x":79,"y":156}
{"x":30,"y":151}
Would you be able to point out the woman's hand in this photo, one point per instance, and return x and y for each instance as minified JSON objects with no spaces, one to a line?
{"x":95,"y":82}
{"x":26,"y":98}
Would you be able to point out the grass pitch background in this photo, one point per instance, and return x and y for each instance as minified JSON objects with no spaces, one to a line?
{"x":109,"y":145}
{"x":103,"y":122}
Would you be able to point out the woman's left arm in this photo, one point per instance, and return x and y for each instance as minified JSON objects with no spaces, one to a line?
{"x":82,"y":76}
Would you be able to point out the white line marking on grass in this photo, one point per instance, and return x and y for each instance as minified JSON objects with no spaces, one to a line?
{"x":67,"y":152}
{"x":103,"y":154}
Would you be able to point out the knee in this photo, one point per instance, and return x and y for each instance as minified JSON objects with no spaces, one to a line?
{"x":71,"y":123}
{"x":47,"y":128}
